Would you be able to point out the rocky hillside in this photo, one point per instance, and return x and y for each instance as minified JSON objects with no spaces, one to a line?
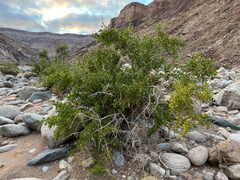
{"x":39,"y":40}
{"x":211,"y":26}
{"x":15,"y":51}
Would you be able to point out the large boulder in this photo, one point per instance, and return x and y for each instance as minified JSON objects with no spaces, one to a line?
{"x":228,"y":151}
{"x":10,"y":111}
{"x":26,"y":92}
{"x":32,"y":120}
{"x":229,"y":97}
{"x":48,"y":136}
{"x":13,"y":130}
{"x":41,"y":95}
{"x":176,"y":162}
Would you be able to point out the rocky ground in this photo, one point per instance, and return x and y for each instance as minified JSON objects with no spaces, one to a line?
{"x":207,"y":154}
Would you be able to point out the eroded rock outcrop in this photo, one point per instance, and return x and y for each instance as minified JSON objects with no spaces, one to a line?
{"x":14,"y":51}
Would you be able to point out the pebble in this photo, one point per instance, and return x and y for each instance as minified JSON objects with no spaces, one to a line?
{"x":45,"y":168}
{"x":1,"y":165}
{"x":32,"y":150}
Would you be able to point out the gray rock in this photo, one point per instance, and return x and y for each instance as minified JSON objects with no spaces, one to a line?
{"x":16,"y":91}
{"x":9,"y":99}
{"x":41,"y":95}
{"x":16,"y":102}
{"x":208,"y":177}
{"x":26,"y":179}
{"x":7,"y":148}
{"x":179,"y":147}
{"x":234,"y":112}
{"x":47,"y":108}
{"x":163,"y":146}
{"x":9,"y":112}
{"x":48,"y":136}
{"x":32,"y":120}
{"x":50,"y":155}
{"x":197,"y":136}
{"x":156,"y":170}
{"x":27,"y":75}
{"x":13,"y":80}
{"x":234,"y":137}
{"x":8,"y":84}
{"x":4,"y":120}
{"x":198,"y":155}
{"x":26,"y":92}
{"x":63,"y":175}
{"x":229,"y":97}
{"x":36,"y":101}
{"x":118,"y":158}
{"x":8,"y":76}
{"x":232,"y":172}
{"x":176,"y":162}
{"x":216,"y":84}
{"x":173,"y":172}
{"x":12,"y":130}
{"x":26,"y":106}
{"x":5,"y":90}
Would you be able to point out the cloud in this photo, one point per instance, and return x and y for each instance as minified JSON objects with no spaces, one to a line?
{"x":60,"y":15}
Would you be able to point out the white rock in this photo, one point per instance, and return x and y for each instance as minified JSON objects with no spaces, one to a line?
{"x":63,"y":175}
{"x":45,"y":168}
{"x":198,"y":155}
{"x":222,"y":109}
{"x":64,"y":165}
{"x":234,"y":137}
{"x":176,"y":162}
{"x":32,"y":150}
{"x":156,"y":170}
{"x":179,"y":147}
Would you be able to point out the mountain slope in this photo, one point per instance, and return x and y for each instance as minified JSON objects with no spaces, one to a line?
{"x":14,"y":51}
{"x":211,"y":26}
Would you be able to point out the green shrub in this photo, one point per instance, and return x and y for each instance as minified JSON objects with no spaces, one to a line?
{"x":10,"y":68}
{"x":106,"y":95}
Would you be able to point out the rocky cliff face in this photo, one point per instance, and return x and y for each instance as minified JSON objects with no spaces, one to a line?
{"x":211,"y":26}
{"x":14,"y":51}
{"x":48,"y":40}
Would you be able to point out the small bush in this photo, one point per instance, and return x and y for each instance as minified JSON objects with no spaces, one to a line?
{"x":107,"y":96}
{"x":9,"y":68}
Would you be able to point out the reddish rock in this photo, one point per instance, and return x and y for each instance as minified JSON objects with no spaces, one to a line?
{"x":226,"y":151}
{"x":221,"y":176}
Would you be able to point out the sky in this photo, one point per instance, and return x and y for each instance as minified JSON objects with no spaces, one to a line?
{"x":60,"y":16}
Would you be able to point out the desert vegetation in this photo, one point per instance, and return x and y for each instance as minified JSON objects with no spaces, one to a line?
{"x":108,"y":98}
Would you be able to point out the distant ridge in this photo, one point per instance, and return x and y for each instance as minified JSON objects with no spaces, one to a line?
{"x":39,"y":40}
